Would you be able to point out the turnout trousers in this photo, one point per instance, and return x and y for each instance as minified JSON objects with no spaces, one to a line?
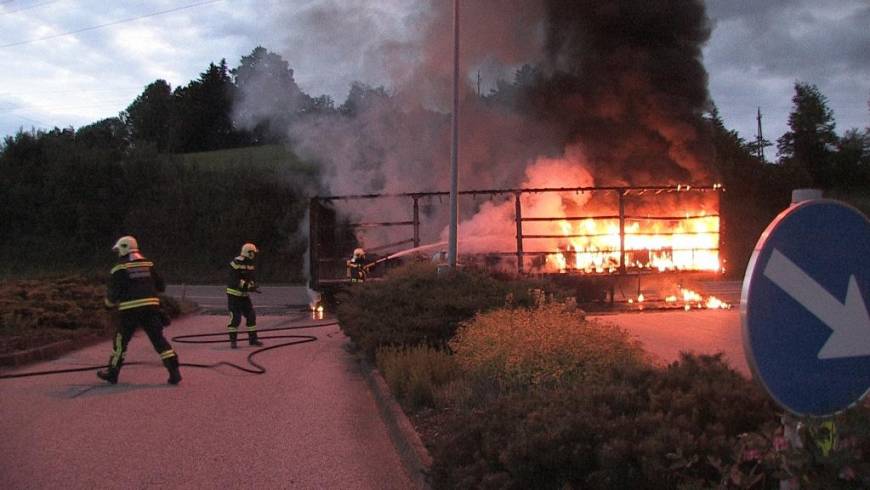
{"x":149,"y":319}
{"x":241,"y":306}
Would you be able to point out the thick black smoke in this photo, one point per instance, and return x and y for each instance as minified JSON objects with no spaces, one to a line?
{"x":626,"y":81}
{"x":622,"y":80}
{"x":616,"y":87}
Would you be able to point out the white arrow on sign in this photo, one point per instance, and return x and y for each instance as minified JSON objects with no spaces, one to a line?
{"x":849,"y":321}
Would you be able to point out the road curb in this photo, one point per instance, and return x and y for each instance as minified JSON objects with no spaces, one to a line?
{"x":36,"y":354}
{"x":414,"y":455}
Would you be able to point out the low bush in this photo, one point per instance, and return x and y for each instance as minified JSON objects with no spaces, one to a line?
{"x":621,"y":432}
{"x":70,"y":303}
{"x":34,"y":312}
{"x":535,"y":396}
{"x":831,"y":453}
{"x":415,"y":374}
{"x":551,"y":343}
{"x":414,"y":305}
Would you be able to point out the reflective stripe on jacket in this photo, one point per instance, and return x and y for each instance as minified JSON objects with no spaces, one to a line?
{"x":134,"y":283}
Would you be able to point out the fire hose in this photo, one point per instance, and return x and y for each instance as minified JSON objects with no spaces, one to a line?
{"x":189,"y":339}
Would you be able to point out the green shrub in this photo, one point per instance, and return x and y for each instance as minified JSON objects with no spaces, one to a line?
{"x":414,"y":305}
{"x":414,"y":374}
{"x":633,"y":429}
{"x":832,"y":453}
{"x":551,"y":343}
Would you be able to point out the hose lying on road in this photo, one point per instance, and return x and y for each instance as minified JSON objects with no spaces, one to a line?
{"x":188,"y":339}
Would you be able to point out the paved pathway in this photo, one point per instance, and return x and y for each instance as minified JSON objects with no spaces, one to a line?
{"x":309,"y":422}
{"x":667,"y":333}
{"x":274,"y":299}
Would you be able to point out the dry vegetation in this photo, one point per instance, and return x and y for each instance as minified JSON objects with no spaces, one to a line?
{"x":36,"y":312}
{"x":39,"y":312}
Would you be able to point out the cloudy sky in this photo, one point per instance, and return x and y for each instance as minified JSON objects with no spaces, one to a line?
{"x":73,"y":62}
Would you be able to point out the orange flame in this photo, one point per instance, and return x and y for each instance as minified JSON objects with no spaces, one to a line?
{"x":691,"y":299}
{"x":689,"y":243}
{"x":582,"y":231}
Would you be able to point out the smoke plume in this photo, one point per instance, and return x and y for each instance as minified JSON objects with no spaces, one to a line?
{"x":605,"y":93}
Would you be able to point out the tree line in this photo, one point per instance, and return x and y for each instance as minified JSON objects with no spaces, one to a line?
{"x":809,"y":154}
{"x":67,"y":193}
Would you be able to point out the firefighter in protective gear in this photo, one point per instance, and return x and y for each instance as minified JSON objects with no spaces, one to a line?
{"x":242,"y":282}
{"x":133,"y":288}
{"x":357,"y":267}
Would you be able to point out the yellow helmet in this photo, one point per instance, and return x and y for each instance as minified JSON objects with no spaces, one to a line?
{"x":125,"y":245}
{"x":358,"y":253}
{"x":249,"y":250}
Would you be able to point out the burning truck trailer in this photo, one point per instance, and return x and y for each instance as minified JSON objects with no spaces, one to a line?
{"x":633,"y":246}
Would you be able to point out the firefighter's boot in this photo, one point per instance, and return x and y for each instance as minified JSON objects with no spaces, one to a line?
{"x":252,"y":338}
{"x":110,"y":374}
{"x":233,"y":336}
{"x":171,"y":364}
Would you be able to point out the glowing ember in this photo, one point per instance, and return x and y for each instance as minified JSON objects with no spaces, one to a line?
{"x":317,"y":312}
{"x":688,"y":299}
{"x":710,"y":302}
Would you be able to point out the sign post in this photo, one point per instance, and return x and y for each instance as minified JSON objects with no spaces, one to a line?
{"x":806,"y":329}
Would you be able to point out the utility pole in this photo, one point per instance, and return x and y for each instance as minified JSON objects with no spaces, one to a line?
{"x":760,"y":138}
{"x":760,"y":142}
{"x":454,"y":152}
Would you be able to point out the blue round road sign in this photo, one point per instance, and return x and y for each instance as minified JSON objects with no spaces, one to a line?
{"x":806,"y":329}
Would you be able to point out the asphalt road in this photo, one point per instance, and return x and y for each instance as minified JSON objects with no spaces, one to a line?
{"x":309,"y":422}
{"x":667,"y":333}
{"x":273,"y":299}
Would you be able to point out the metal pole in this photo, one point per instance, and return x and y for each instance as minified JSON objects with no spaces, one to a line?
{"x":622,"y":232}
{"x":518,"y":215}
{"x":719,"y":251}
{"x":454,"y":152}
{"x":416,"y":222}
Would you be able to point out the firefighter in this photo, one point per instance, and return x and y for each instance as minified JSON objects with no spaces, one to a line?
{"x":357,"y":267}
{"x":133,"y":288}
{"x":241,"y":283}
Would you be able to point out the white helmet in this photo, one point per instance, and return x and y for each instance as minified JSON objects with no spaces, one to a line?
{"x":249,"y":250}
{"x":358,"y":253}
{"x":125,"y":245}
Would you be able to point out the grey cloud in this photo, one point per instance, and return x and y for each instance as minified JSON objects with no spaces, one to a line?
{"x":790,"y":41}
{"x":759,"y":49}
{"x":331,"y":44}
